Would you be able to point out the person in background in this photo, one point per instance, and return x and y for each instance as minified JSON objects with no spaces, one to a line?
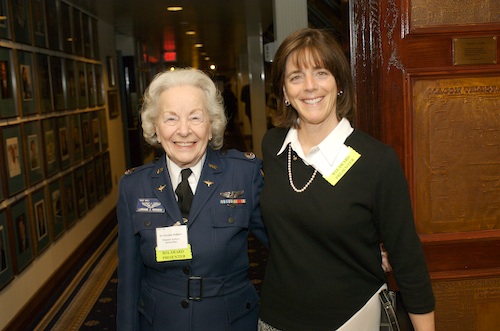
{"x":332,"y":194}
{"x":184,"y":265}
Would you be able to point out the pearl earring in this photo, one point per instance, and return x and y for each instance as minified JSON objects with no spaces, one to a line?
{"x":340,"y":93}
{"x":287,"y":103}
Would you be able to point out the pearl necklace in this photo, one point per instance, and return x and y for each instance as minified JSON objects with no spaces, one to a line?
{"x":290,"y":179}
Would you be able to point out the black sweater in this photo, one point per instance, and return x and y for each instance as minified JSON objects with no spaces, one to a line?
{"x":325,"y":261}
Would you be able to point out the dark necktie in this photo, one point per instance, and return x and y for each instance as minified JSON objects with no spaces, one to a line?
{"x":184,"y":193}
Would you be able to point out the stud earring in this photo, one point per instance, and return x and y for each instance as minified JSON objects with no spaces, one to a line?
{"x":340,"y":93}
{"x":287,"y":103}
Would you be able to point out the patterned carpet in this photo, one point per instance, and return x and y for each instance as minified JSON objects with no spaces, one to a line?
{"x":89,"y":303}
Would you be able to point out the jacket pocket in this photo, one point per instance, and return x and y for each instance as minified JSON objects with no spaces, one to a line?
{"x":148,"y":221}
{"x":228,"y":224}
{"x":147,"y":304}
{"x":242,"y":302}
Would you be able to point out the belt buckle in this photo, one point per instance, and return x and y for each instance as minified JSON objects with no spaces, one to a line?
{"x":200,"y":296}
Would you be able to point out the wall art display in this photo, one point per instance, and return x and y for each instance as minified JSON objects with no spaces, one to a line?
{"x":104,"y":129}
{"x":56,"y":74}
{"x":26,"y":70}
{"x":111,"y":68}
{"x":71,"y":91}
{"x":99,"y":85}
{"x":6,"y":268}
{"x":113,"y":104}
{"x":91,"y":184}
{"x":76,"y":138}
{"x":69,"y":200}
{"x":7,"y":93}
{"x":86,"y":134}
{"x":95,"y":38}
{"x":77,"y":32}
{"x":86,"y":35}
{"x":82,"y":85}
{"x":56,"y":212}
{"x":14,"y":159}
{"x":106,"y":167}
{"x":52,"y":18}
{"x":22,"y":234}
{"x":81,"y":191}
{"x":99,"y":177}
{"x":43,"y":79}
{"x":22,"y":25}
{"x":96,"y":132}
{"x":34,"y":155}
{"x":39,"y":31}
{"x":64,"y":141}
{"x":51,"y":147}
{"x":39,"y":205}
{"x":5,"y":21}
{"x":66,"y":30}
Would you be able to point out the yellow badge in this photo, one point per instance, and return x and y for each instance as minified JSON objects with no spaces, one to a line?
{"x":345,"y":165}
{"x":174,"y":254}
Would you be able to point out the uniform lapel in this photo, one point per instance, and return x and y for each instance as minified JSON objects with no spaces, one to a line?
{"x":210,"y":179}
{"x":162,"y":189}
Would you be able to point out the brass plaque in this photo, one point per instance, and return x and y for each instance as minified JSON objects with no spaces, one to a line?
{"x":475,"y":50}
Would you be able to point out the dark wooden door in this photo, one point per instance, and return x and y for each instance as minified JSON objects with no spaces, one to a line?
{"x":427,"y":74}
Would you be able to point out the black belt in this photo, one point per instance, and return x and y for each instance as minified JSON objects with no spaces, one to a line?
{"x":196,"y":287}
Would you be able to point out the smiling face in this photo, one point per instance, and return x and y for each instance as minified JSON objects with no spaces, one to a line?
{"x":312,"y":91}
{"x":183,"y":126}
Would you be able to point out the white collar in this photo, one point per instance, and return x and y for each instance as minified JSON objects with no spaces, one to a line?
{"x":175,"y":173}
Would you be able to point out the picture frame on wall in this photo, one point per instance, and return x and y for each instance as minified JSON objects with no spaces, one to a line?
{"x":111,"y":68}
{"x":52,"y":18}
{"x":91,"y":185}
{"x":7,"y":92}
{"x":56,"y":211}
{"x":22,"y":226}
{"x":41,"y":220}
{"x":66,"y":37}
{"x":51,"y":149}
{"x":28,"y":105}
{"x":56,"y":75}
{"x":43,"y":80}
{"x":64,"y":141}
{"x":14,"y":159}
{"x":99,"y":84}
{"x":96,"y":133}
{"x":77,"y":31}
{"x":91,"y":85}
{"x":39,"y":30}
{"x":86,"y":134}
{"x":21,"y":22}
{"x":106,"y":167}
{"x":5,"y":21}
{"x":87,"y":37}
{"x":71,"y":90}
{"x":6,"y":266}
{"x":103,"y":125}
{"x":82,"y":85}
{"x":95,"y":38}
{"x":99,"y":177}
{"x":34,"y":155}
{"x":113,"y":104}
{"x":70,"y":211}
{"x":81,"y":191}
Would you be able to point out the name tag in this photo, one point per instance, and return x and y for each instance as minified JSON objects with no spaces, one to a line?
{"x":343,"y":167}
{"x":172,"y":244}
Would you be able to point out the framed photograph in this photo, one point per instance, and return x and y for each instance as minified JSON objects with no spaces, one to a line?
{"x":24,"y":252}
{"x":14,"y":159}
{"x":64,"y":141}
{"x":7,"y":92}
{"x":76,"y":138}
{"x":103,"y":125}
{"x":82,"y":85}
{"x":66,"y":30}
{"x":6,"y":269}
{"x":81,"y":191}
{"x":95,"y":38}
{"x":43,"y":80}
{"x":33,"y":147}
{"x":22,"y":25}
{"x":39,"y":30}
{"x":86,"y":134}
{"x":25,"y":60}
{"x":96,"y":132}
{"x":51,"y":149}
{"x":106,"y":167}
{"x":99,"y":177}
{"x":70,"y":86}
{"x":39,"y":204}
{"x":91,"y":85}
{"x":52,"y":19}
{"x":91,"y":184}
{"x":5,"y":21}
{"x":56,"y":212}
{"x":70,"y":211}
{"x":111,"y":68}
{"x":113,"y":104}
{"x":99,"y":84}
{"x":56,"y":74}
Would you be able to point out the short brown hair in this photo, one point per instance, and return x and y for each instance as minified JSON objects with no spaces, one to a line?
{"x":325,"y":52}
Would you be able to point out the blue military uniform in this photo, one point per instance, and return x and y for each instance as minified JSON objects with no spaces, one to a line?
{"x":211,"y":291}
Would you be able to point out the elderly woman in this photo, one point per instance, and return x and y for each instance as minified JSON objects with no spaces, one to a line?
{"x":185,"y":217}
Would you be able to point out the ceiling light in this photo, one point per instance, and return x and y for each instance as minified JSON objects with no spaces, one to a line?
{"x":174,"y":8}
{"x":212,"y":67}
{"x":198,"y":45}
{"x":190,"y":32}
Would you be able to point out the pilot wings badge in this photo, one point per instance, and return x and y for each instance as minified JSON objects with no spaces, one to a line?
{"x":151,"y":205}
